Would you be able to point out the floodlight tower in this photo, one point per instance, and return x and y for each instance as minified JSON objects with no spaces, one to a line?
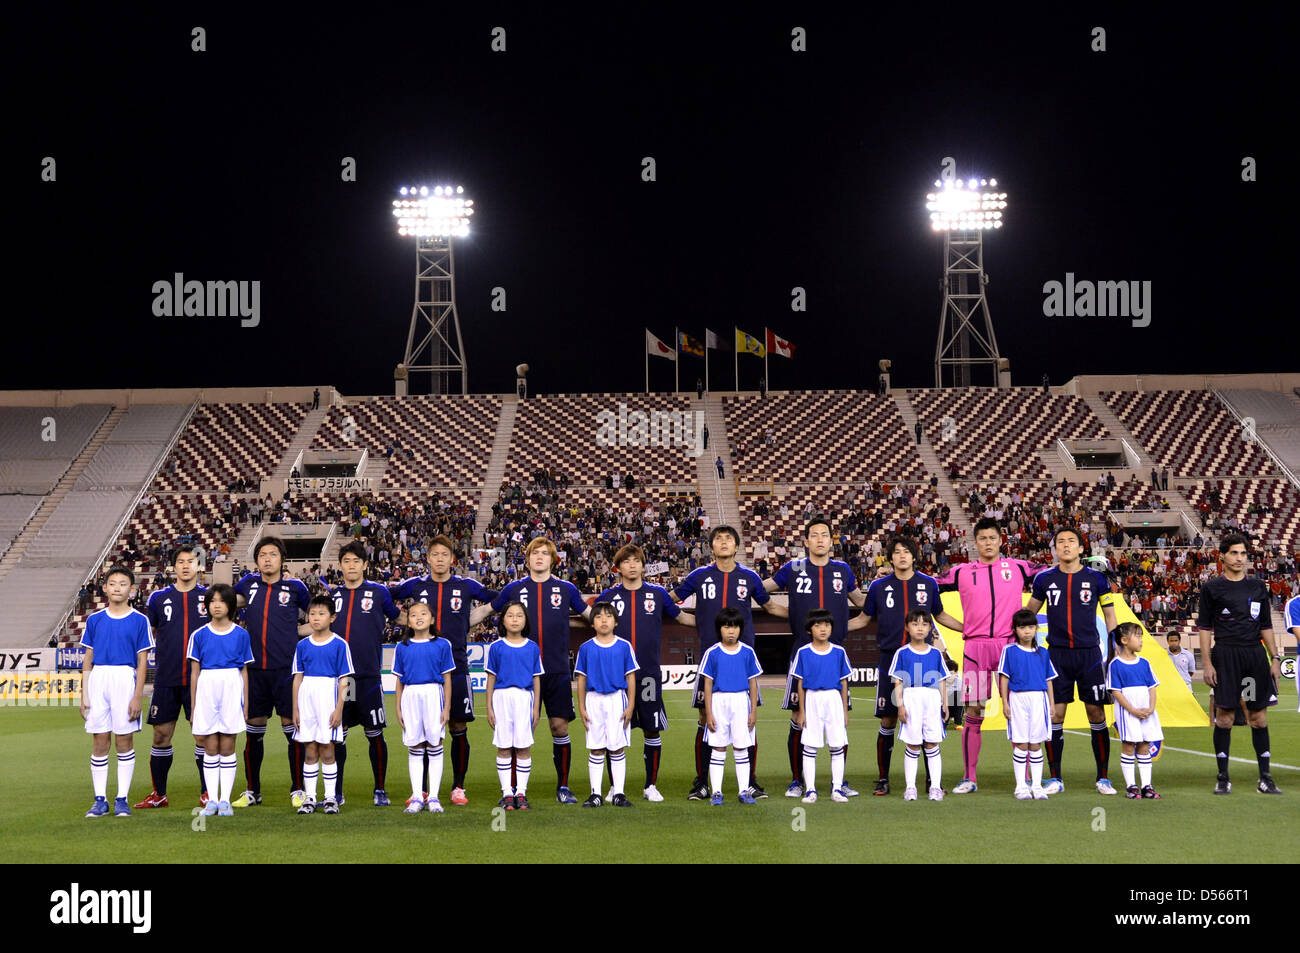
{"x":963,"y":210}
{"x":433,"y":217}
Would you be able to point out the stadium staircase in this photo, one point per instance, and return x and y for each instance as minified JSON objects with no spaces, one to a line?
{"x":496,"y":468}
{"x":301,"y":441}
{"x":61,"y":489}
{"x":718,"y":497}
{"x":1177,"y":500}
{"x":947,"y":492}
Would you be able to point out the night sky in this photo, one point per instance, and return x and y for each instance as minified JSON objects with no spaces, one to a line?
{"x":775,"y":169}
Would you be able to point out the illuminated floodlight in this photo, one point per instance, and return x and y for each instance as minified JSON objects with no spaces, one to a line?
{"x":444,"y":214}
{"x":961,"y":207}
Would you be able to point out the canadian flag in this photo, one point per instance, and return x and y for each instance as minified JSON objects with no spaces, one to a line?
{"x":778,"y":346}
{"x":657,"y":348}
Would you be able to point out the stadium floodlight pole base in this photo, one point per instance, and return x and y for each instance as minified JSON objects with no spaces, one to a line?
{"x":966,"y":339}
{"x":433,"y":343}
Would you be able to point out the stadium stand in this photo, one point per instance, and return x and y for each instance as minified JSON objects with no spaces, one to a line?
{"x":224,"y":442}
{"x":1188,"y":431}
{"x":1277,"y":420}
{"x":1267,"y":510}
{"x":32,"y":465}
{"x":15,"y":511}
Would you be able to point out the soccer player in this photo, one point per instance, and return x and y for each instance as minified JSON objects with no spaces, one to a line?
{"x":723,"y":584}
{"x":823,"y":710}
{"x":117,"y":643}
{"x":273,"y":604}
{"x":1025,"y":676}
{"x":422,"y":666}
{"x":1233,"y":620}
{"x":1072,"y":592}
{"x":889,"y":599}
{"x":1291,"y":616}
{"x":549,"y":602}
{"x":606,"y":670}
{"x":814,"y":582}
{"x":322,"y":670}
{"x":363,"y":610}
{"x":514,"y":702}
{"x":919,"y":677}
{"x":219,"y":654}
{"x":991,"y":591}
{"x":174,"y":613}
{"x":730,"y":673}
{"x":641,"y":608}
{"x":1133,"y":686}
{"x":449,"y":598}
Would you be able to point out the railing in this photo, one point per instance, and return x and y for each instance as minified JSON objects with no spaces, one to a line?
{"x":1254,"y":438}
{"x":1134,"y":458}
{"x":1066,"y":456}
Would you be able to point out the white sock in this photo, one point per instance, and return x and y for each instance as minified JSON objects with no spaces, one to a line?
{"x":1126,"y":766}
{"x":99,"y":775}
{"x":934,"y":761}
{"x":837,"y":768}
{"x":595,"y":770}
{"x":125,"y":768}
{"x":415,"y":768}
{"x":227,"y":776}
{"x":435,"y":770}
{"x":618,"y":768}
{"x":809,"y":768}
{"x":310,"y":772}
{"x":910,"y":758}
{"x":717,"y":762}
{"x":212,"y":775}
{"x":741,"y":756}
{"x":503,"y":774}
{"x":1019,"y":759}
{"x":1036,"y":767}
{"x":330,"y":773}
{"x":523,"y":768}
{"x":1144,"y":769}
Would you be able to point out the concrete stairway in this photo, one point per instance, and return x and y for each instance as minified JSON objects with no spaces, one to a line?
{"x":947,"y":492}
{"x":717,"y":496}
{"x":301,"y":441}
{"x":61,"y":489}
{"x":496,"y":468}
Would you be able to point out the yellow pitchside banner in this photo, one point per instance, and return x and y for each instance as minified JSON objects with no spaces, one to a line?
{"x":40,"y":688}
{"x":1175,"y":703}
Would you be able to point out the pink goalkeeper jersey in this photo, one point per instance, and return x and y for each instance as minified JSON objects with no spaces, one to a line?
{"x":990,"y":594}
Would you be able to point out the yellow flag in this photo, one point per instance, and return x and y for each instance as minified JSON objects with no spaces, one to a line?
{"x":748,"y":344}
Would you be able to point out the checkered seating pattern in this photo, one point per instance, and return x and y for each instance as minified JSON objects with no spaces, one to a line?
{"x":828,"y":499}
{"x":561,"y":431}
{"x":832,"y":436}
{"x":1188,"y":431}
{"x":225,"y":441}
{"x":451,"y":436}
{"x":1097,"y":500}
{"x":1281,"y":526}
{"x":996,"y":432}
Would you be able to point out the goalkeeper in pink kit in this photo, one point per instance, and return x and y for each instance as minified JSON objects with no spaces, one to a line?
{"x":991,"y":591}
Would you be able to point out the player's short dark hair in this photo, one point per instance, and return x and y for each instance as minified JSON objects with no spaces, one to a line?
{"x":501,"y":619}
{"x":275,"y":541}
{"x":817,"y":615}
{"x":724,"y":528}
{"x":354,"y":548}
{"x":408,"y":630}
{"x":1068,"y":529}
{"x":917,"y":614}
{"x":907,"y":543}
{"x":818,"y":520}
{"x":630,"y":551}
{"x":728,"y":615}
{"x":987,"y":522}
{"x":183,"y":548}
{"x":227,"y":595}
{"x":1023,"y":617}
{"x":322,"y":600}
{"x":117,"y":569}
{"x":1173,"y":634}
{"x":1232,"y":539}
{"x":604,"y":607}
{"x":441,"y":540}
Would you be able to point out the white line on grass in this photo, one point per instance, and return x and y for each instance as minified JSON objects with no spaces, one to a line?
{"x":1203,"y":754}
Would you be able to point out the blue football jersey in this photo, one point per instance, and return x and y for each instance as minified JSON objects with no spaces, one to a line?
{"x":730,"y":671}
{"x":919,"y":669}
{"x":423,"y":663}
{"x":117,"y":641}
{"x":514,"y":665}
{"x":362,"y":616}
{"x":549,"y":604}
{"x":889,"y":599}
{"x":1071,"y":600}
{"x":328,"y":659}
{"x":1027,"y":670}
{"x":271,"y":617}
{"x":606,"y":666}
{"x":233,"y":649}
{"x":174,"y":615}
{"x":822,"y":671}
{"x":641,"y":613}
{"x":714,"y":589}
{"x":1121,"y":674}
{"x":451,"y":602}
{"x":817,"y":587}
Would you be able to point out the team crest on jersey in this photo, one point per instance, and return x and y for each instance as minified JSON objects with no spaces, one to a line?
{"x":921,"y":597}
{"x":1006,"y":573}
{"x":203,"y":609}
{"x":1085,"y":594}
{"x":649,"y":603}
{"x":1254,"y":610}
{"x":284,"y":597}
{"x":742,"y":588}
{"x":557,"y":598}
{"x":837,"y":583}
{"x":455,"y":603}
{"x":367,"y":603}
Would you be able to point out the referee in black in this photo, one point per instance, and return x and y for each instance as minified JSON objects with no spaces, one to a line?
{"x":1234,"y":619}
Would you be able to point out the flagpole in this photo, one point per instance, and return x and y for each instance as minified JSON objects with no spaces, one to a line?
{"x":735,"y":347}
{"x":767,"y":336}
{"x":677,"y":359}
{"x":706,"y":360}
{"x":647,"y":360}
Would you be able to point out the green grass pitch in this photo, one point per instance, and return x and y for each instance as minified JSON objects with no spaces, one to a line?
{"x":45,"y":789}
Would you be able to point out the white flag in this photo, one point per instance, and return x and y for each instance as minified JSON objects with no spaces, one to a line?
{"x":711,"y":340}
{"x":657,"y":348}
